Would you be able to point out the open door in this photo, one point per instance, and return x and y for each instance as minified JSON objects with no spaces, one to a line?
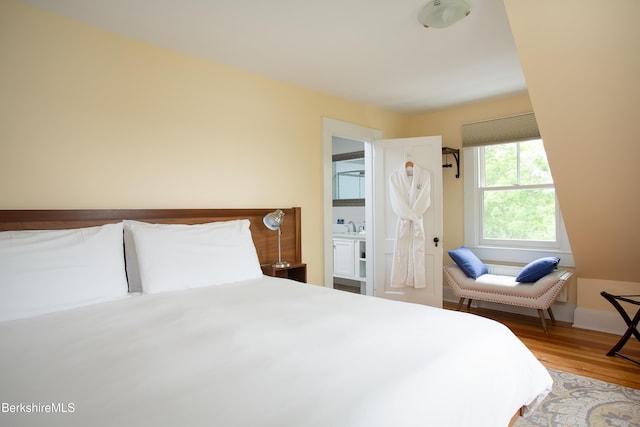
{"x":389,"y":157}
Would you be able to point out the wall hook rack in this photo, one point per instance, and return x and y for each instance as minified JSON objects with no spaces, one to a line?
{"x":456,"y":155}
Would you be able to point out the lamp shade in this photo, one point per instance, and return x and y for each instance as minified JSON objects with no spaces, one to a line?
{"x":274,"y":219}
{"x":444,"y":13}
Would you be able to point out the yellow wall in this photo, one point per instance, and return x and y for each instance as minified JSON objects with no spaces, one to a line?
{"x":90,"y":119}
{"x":581,"y":62}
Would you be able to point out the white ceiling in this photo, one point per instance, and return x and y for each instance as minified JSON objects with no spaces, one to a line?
{"x":371,"y":51}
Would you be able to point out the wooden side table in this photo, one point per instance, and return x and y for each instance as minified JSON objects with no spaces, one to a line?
{"x":296,"y":272}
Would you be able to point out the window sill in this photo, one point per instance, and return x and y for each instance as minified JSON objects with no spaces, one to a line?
{"x":520,"y":255}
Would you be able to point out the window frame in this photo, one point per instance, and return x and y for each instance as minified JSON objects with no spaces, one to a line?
{"x":497,"y":249}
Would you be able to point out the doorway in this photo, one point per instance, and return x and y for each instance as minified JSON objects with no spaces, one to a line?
{"x":349,"y":136}
{"x":348,"y":221}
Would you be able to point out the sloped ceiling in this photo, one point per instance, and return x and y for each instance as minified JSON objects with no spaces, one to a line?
{"x":581,"y":61}
{"x":373,"y":52}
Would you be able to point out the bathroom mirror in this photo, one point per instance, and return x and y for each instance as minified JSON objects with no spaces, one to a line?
{"x":348,"y":179}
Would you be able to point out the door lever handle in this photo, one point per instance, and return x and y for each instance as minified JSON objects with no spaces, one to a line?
{"x":436,"y":240}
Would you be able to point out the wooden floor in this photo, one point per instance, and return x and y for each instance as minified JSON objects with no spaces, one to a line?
{"x":570,"y":349}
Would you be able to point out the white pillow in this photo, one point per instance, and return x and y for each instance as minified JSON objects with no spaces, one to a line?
{"x":49,"y":270}
{"x":179,"y":256}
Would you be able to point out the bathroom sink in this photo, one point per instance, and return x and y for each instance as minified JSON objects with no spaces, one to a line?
{"x":344,"y":230}
{"x":340,"y":228}
{"x":352,"y":234}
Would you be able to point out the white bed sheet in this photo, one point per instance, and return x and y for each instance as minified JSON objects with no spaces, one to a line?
{"x":265,"y":352}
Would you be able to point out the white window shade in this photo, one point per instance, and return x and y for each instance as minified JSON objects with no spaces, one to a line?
{"x":522,"y":127}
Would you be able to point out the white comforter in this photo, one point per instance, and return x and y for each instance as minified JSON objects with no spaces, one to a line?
{"x":266,"y":352}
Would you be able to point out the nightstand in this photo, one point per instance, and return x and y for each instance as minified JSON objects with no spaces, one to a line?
{"x":296,"y":272}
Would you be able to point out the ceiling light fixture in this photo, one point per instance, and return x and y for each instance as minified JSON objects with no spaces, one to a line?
{"x":444,"y":13}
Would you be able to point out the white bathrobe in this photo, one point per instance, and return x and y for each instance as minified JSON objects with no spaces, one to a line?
{"x":410,"y":198}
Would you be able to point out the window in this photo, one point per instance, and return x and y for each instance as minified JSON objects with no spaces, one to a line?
{"x":518,"y":198}
{"x":511,"y":209}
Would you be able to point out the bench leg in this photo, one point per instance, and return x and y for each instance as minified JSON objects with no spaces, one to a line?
{"x":543,"y":321}
{"x":553,"y":319}
{"x":462,"y":302}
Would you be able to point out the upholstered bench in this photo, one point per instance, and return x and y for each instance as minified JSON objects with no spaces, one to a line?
{"x":497,"y":283}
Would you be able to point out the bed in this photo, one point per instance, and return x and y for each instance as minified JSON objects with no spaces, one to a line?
{"x":245,"y":350}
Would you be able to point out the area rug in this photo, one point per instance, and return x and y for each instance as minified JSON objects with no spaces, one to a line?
{"x":577,"y":401}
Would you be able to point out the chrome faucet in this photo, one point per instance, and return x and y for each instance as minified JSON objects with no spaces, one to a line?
{"x":352,"y":226}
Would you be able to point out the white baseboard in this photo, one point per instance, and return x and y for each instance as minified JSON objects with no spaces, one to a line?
{"x":597,"y":320}
{"x":563,"y":312}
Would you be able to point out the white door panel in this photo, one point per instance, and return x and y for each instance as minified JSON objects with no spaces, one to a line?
{"x":388,"y":157}
{"x":343,"y":258}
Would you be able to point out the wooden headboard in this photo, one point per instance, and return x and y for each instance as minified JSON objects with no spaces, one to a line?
{"x":265,"y":240}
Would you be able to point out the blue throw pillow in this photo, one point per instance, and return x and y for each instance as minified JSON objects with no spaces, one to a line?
{"x":468,"y":262}
{"x":537,"y":269}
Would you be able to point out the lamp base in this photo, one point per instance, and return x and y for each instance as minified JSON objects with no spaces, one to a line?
{"x":281,"y":264}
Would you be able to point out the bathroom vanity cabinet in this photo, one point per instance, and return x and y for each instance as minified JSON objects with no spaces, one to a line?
{"x":349,"y":257}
